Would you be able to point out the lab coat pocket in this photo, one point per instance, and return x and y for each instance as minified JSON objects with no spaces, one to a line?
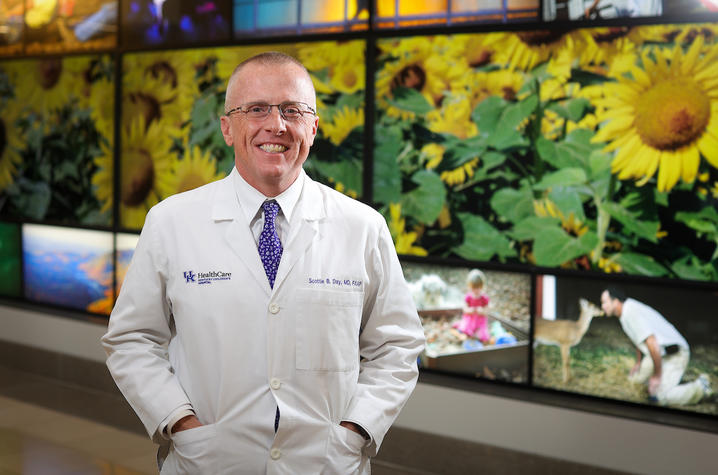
{"x":344,"y":452}
{"x":327,"y":329}
{"x":194,"y":450}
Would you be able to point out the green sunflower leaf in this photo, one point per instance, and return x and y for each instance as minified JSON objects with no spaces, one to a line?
{"x":640,"y":264}
{"x":409,"y":99}
{"x":554,"y":246}
{"x":513,"y":205}
{"x":564,"y":177}
{"x":481,"y":240}
{"x":704,"y":221}
{"x":691,"y":268}
{"x":568,"y":201}
{"x":573,"y":151}
{"x":346,"y":172}
{"x":387,"y":176}
{"x":632,"y":222}
{"x":527,"y":229}
{"x":573,"y":110}
{"x":425,"y":202}
{"x":487,"y":113}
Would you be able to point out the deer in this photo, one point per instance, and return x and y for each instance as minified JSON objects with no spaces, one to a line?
{"x":566,"y":333}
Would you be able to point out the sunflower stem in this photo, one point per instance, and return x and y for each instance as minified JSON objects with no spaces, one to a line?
{"x":603,"y":219}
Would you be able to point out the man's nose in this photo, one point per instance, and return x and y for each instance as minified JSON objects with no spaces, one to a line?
{"x":274,"y":122}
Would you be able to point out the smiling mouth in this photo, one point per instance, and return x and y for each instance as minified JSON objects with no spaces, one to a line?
{"x":273,"y":148}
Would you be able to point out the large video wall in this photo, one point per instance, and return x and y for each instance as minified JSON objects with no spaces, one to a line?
{"x":526,"y":155}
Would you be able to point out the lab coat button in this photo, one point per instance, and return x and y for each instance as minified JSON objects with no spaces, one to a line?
{"x":275,"y":383}
{"x":275,"y":453}
{"x":274,"y":308}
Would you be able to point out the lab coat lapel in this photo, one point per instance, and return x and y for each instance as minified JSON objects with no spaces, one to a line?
{"x":304,"y":228}
{"x":226,"y":211}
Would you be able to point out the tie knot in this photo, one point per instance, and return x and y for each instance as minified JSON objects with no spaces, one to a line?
{"x":271,"y":209}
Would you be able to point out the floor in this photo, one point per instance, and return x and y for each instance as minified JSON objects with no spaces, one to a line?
{"x":49,"y":428}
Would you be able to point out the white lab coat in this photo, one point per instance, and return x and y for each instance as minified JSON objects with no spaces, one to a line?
{"x":196,"y":322}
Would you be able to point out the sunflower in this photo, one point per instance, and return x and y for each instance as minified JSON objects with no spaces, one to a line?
{"x":476,"y":49}
{"x":103,"y":179}
{"x":10,"y":143}
{"x":664,"y":117}
{"x":327,"y":54}
{"x":348,"y":78}
{"x":571,"y":224}
{"x":159,"y":85}
{"x":526,"y":50}
{"x":151,"y":100}
{"x":460,"y":174}
{"x":175,"y":68}
{"x":102,"y":107}
{"x":145,"y":157}
{"x":342,"y":123}
{"x":453,"y":118}
{"x":194,"y":170}
{"x":605,"y":50}
{"x":420,"y":71}
{"x":43,"y":84}
{"x":403,"y":241}
{"x":433,"y":153}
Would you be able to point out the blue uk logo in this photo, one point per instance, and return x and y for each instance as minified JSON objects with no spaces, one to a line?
{"x":189,"y":276}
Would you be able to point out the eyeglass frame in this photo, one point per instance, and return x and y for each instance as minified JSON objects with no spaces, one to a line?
{"x":240,"y":108}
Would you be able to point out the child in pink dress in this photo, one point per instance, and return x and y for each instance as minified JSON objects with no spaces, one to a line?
{"x":474,"y":321}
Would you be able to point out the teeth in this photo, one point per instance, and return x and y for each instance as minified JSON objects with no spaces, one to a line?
{"x":273,"y":148}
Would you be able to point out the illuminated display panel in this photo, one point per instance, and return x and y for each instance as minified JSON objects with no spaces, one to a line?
{"x":564,"y":10}
{"x":173,"y":23}
{"x":490,"y":339}
{"x":253,"y":17}
{"x":68,"y":25}
{"x":172,"y":140}
{"x":12,"y":13}
{"x":405,"y":13}
{"x":58,"y":121}
{"x":601,"y":362}
{"x":690,"y":8}
{"x":10,"y":270}
{"x":68,"y":267}
{"x":552,"y":149}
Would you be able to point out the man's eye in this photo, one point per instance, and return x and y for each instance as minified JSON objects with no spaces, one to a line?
{"x":257,"y":109}
{"x":291,"y":110}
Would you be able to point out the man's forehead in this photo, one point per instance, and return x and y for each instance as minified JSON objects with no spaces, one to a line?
{"x":252,"y":84}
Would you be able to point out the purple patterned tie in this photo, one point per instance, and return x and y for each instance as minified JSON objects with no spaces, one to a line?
{"x":270,"y":247}
{"x":270,"y":251}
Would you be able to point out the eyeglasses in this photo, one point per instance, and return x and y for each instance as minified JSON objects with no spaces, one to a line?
{"x":289,"y":111}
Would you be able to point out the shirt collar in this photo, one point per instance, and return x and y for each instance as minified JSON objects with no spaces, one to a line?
{"x":250,"y":199}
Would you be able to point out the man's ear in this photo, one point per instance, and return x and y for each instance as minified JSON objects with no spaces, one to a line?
{"x":226,"y":125}
{"x":315,"y":129}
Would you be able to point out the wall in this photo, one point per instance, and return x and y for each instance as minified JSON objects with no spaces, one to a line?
{"x":584,"y":437}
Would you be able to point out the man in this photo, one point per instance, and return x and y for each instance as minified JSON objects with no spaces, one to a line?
{"x":297,"y":361}
{"x":662,"y":354}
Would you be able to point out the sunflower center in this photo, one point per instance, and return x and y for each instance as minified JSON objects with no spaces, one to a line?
{"x":138,"y":176}
{"x":49,"y":71}
{"x":612,"y":33}
{"x":672,"y":114}
{"x":412,"y":76}
{"x":146,"y":105}
{"x":479,"y":58}
{"x":189,"y":182}
{"x":350,"y":78}
{"x":164,"y":71}
{"x":540,"y":37}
